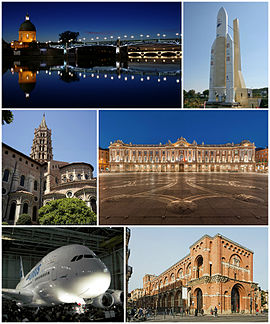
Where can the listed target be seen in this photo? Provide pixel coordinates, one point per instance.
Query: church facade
(217, 272)
(182, 156)
(30, 182)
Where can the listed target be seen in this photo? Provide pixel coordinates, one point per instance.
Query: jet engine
(103, 301)
(118, 296)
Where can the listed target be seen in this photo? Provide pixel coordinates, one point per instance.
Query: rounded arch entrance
(198, 299)
(237, 293)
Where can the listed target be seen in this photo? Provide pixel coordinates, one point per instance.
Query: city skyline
(200, 31)
(149, 254)
(106, 19)
(73, 133)
(210, 127)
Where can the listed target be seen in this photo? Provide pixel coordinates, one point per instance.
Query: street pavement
(209, 318)
(183, 199)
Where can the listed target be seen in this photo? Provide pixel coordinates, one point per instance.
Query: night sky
(210, 127)
(92, 19)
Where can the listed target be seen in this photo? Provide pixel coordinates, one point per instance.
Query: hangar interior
(33, 243)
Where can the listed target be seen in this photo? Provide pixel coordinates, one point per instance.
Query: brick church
(217, 272)
(28, 183)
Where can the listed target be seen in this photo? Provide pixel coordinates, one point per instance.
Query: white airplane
(69, 274)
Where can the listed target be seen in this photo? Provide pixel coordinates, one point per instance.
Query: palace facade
(28, 183)
(182, 156)
(217, 272)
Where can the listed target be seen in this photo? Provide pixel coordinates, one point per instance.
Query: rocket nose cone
(222, 11)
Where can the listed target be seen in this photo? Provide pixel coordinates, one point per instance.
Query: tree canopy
(7, 117)
(68, 35)
(66, 211)
(24, 219)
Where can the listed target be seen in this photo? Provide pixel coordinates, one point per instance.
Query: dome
(27, 87)
(27, 25)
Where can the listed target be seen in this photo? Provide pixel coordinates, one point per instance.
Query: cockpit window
(79, 257)
(88, 256)
(74, 259)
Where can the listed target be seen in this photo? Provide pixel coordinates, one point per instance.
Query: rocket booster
(221, 66)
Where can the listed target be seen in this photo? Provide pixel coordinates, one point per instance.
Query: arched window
(22, 180)
(93, 205)
(79, 176)
(34, 218)
(25, 208)
(35, 185)
(6, 175)
(71, 177)
(44, 185)
(180, 274)
(12, 211)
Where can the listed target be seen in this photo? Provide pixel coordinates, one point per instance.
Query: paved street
(208, 318)
(183, 199)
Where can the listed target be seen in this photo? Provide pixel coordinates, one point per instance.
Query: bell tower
(41, 149)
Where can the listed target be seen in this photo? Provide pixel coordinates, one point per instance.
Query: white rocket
(222, 63)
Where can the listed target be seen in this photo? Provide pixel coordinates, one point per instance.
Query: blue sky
(154, 249)
(199, 35)
(73, 133)
(212, 127)
(91, 19)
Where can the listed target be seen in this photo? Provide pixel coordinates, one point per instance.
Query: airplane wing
(20, 296)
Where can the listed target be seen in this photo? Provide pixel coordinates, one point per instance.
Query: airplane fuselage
(68, 274)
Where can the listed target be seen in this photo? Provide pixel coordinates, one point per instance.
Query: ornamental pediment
(117, 143)
(181, 142)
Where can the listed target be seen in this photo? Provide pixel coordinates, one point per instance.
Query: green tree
(68, 35)
(24, 219)
(7, 117)
(206, 93)
(66, 211)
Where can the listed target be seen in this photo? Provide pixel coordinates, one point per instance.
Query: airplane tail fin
(21, 269)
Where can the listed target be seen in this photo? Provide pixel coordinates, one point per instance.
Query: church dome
(27, 25)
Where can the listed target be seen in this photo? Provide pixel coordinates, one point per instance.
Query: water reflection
(138, 83)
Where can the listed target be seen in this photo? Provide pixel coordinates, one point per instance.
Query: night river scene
(91, 55)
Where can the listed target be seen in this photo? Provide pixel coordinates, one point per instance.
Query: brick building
(136, 294)
(28, 183)
(216, 272)
(261, 158)
(182, 156)
(103, 160)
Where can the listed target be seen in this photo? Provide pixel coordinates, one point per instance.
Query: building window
(86, 176)
(34, 218)
(69, 194)
(25, 208)
(6, 175)
(35, 185)
(22, 180)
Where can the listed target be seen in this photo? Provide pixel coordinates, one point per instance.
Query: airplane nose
(94, 284)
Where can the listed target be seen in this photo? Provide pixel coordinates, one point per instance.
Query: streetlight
(147, 36)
